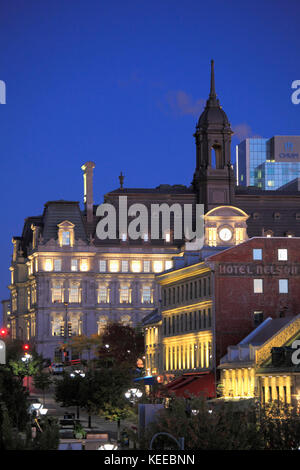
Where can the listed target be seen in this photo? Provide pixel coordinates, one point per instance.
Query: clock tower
(214, 177)
(225, 226)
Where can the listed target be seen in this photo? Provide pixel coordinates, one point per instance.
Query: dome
(213, 115)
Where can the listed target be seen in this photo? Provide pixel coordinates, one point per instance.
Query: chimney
(87, 169)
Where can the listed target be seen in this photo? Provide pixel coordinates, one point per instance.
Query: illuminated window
(124, 266)
(169, 264)
(146, 294)
(146, 237)
(282, 254)
(239, 235)
(74, 293)
(125, 320)
(102, 294)
(114, 266)
(257, 254)
(147, 266)
(48, 265)
(57, 327)
(84, 265)
(57, 292)
(283, 285)
(270, 183)
(57, 265)
(102, 266)
(66, 233)
(136, 266)
(212, 236)
(124, 237)
(124, 294)
(74, 264)
(258, 286)
(102, 322)
(157, 266)
(66, 239)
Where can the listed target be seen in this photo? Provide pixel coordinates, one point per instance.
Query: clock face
(225, 234)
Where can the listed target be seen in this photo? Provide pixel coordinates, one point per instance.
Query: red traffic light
(3, 332)
(26, 347)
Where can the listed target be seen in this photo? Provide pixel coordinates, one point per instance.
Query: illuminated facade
(67, 285)
(184, 326)
(65, 280)
(261, 366)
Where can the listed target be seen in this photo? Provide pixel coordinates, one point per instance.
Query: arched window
(216, 157)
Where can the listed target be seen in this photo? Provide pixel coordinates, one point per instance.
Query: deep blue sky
(122, 83)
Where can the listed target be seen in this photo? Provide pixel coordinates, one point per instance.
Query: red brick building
(257, 279)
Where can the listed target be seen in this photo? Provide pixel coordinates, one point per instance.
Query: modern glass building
(268, 163)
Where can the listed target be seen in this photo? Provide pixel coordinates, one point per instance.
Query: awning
(148, 380)
(194, 383)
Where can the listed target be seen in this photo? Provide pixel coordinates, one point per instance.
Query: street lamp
(133, 394)
(26, 358)
(38, 409)
(108, 446)
(77, 372)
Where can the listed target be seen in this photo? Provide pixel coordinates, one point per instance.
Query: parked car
(56, 368)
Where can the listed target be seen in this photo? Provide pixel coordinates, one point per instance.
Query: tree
(42, 382)
(26, 368)
(48, 437)
(10, 438)
(14, 396)
(243, 425)
(121, 344)
(101, 391)
(82, 343)
(109, 400)
(68, 391)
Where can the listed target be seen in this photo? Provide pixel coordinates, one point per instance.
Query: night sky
(122, 83)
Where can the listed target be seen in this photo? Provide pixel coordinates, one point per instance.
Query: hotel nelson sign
(251, 269)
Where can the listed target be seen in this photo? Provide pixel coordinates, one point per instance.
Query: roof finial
(212, 81)
(121, 178)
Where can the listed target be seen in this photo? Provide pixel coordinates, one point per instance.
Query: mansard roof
(56, 212)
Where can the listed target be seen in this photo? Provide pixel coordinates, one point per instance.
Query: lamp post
(26, 358)
(108, 446)
(133, 394)
(65, 329)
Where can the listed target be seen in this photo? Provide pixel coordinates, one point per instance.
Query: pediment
(226, 212)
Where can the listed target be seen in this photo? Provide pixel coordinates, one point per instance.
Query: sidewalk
(98, 423)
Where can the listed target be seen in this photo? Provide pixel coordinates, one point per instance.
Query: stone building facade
(66, 285)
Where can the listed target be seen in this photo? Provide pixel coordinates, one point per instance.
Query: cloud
(242, 131)
(181, 103)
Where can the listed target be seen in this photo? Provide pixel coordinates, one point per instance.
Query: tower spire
(212, 80)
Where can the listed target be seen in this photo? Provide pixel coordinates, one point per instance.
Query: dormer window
(66, 233)
(66, 238)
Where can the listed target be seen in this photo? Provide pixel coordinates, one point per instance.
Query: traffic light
(26, 347)
(3, 332)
